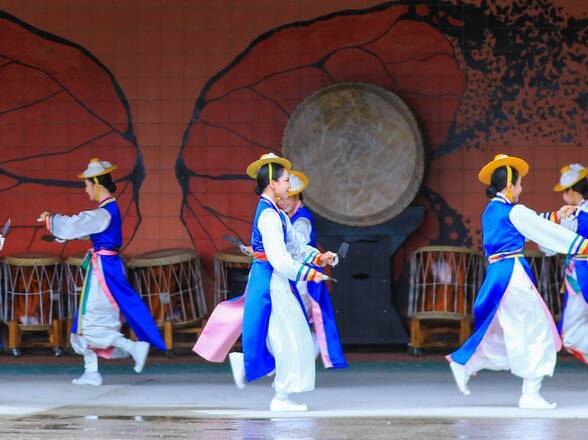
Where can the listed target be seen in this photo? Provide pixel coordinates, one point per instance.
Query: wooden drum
(170, 283)
(231, 272)
(32, 299)
(444, 281)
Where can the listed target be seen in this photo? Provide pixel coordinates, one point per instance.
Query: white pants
(290, 340)
(521, 336)
(100, 326)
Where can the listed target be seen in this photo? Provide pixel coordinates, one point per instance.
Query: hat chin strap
(508, 183)
(96, 188)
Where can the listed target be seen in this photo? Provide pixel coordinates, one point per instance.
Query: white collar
(502, 198)
(263, 196)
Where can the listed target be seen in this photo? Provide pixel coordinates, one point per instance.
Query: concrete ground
(375, 398)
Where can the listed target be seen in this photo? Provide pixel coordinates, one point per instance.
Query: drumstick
(232, 240)
(343, 249)
(52, 238)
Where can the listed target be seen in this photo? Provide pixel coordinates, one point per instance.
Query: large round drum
(444, 281)
(73, 278)
(362, 149)
(170, 282)
(231, 272)
(33, 289)
(548, 274)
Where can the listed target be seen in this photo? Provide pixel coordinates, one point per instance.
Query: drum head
(363, 152)
(32, 260)
(233, 255)
(163, 257)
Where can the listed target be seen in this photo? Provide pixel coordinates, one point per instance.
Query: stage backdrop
(184, 94)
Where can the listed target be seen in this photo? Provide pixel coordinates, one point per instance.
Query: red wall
(213, 83)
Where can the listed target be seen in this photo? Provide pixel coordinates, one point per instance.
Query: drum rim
(531, 253)
(228, 257)
(30, 260)
(142, 260)
(440, 315)
(456, 249)
(76, 259)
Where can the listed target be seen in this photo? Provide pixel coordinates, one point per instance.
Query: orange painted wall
(161, 53)
(452, 65)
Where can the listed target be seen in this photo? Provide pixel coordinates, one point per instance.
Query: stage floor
(373, 399)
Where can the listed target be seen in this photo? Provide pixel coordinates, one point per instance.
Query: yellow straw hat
(502, 160)
(254, 167)
(96, 168)
(570, 175)
(298, 182)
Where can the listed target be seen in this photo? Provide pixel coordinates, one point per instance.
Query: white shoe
(461, 377)
(139, 352)
(89, 378)
(535, 401)
(286, 405)
(238, 368)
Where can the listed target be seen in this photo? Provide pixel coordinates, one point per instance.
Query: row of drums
(40, 294)
(444, 281)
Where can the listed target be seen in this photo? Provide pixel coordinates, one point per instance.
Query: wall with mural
(183, 95)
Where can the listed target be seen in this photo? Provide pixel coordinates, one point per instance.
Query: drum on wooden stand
(170, 283)
(548, 273)
(444, 281)
(32, 301)
(231, 272)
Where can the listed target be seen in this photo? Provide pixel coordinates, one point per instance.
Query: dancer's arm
(304, 228)
(570, 222)
(70, 227)
(547, 234)
(272, 233)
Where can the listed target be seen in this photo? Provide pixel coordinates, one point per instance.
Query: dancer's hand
(43, 216)
(319, 276)
(566, 211)
(328, 258)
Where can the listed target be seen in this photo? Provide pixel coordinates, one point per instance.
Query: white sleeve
(272, 234)
(70, 227)
(546, 234)
(297, 245)
(304, 227)
(570, 223)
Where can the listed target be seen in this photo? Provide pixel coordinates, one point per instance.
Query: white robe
(574, 330)
(522, 337)
(304, 228)
(101, 323)
(289, 338)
